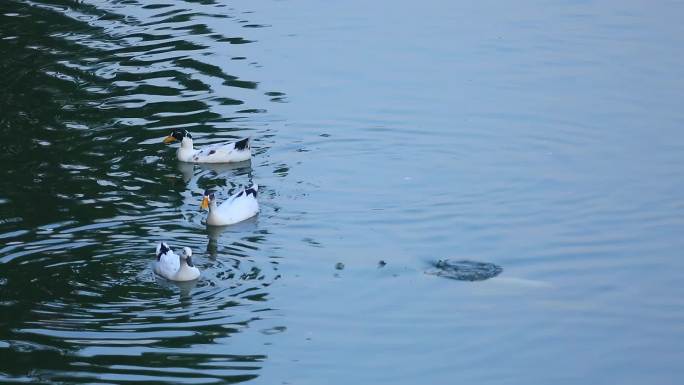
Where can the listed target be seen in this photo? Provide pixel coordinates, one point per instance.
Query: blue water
(544, 137)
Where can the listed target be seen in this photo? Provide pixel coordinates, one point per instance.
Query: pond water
(545, 137)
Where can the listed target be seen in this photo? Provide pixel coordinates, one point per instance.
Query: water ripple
(77, 286)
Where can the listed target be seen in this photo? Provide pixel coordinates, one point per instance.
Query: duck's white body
(242, 205)
(214, 153)
(186, 273)
(175, 267)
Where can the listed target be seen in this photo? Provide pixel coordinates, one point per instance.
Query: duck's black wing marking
(209, 150)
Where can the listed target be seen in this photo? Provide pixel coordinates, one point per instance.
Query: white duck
(213, 153)
(175, 267)
(237, 208)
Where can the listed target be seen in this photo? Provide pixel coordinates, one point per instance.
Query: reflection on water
(219, 234)
(87, 92)
(213, 171)
(90, 294)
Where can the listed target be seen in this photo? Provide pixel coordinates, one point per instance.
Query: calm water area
(546, 137)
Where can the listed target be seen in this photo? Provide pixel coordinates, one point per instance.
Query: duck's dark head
(186, 255)
(177, 135)
(208, 197)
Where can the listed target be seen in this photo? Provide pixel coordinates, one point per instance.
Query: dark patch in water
(252, 111)
(465, 270)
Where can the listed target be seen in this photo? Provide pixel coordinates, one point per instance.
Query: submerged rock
(464, 270)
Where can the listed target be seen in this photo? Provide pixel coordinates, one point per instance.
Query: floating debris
(339, 266)
(464, 270)
(382, 263)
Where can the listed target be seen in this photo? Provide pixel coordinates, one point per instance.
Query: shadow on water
(87, 94)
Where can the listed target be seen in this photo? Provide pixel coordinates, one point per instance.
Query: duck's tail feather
(247, 191)
(243, 144)
(162, 248)
(252, 190)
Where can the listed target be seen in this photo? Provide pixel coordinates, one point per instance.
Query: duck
(175, 267)
(227, 152)
(240, 206)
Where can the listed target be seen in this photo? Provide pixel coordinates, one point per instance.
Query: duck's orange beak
(169, 139)
(205, 203)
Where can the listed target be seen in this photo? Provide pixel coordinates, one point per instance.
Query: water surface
(544, 137)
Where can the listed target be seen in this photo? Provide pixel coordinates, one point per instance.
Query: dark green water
(545, 137)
